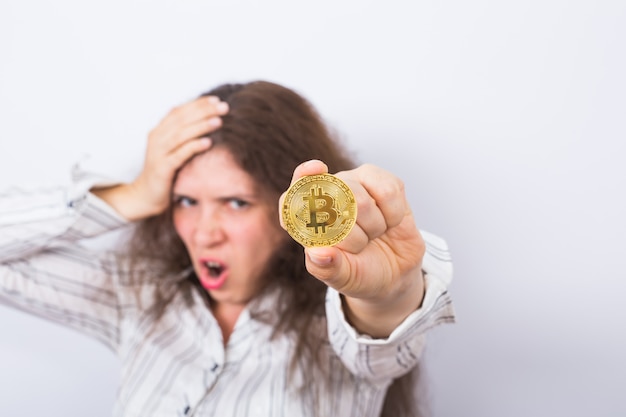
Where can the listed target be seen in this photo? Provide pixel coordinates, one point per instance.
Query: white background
(505, 119)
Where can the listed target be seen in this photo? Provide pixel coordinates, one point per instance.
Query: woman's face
(229, 228)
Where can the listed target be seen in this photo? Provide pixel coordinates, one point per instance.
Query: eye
(182, 201)
(237, 203)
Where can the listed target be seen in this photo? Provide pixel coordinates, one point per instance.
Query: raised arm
(45, 272)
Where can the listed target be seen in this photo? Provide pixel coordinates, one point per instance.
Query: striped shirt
(179, 366)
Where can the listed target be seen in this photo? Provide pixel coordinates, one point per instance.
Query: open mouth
(213, 275)
(215, 268)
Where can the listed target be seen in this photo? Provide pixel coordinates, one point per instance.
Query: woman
(213, 309)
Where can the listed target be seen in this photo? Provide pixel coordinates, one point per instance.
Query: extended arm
(378, 267)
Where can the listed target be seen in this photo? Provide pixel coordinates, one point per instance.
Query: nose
(208, 231)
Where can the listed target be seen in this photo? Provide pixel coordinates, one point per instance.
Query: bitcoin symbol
(315, 209)
(319, 210)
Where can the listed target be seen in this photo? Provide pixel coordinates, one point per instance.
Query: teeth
(215, 268)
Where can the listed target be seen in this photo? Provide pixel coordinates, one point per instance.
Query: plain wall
(505, 119)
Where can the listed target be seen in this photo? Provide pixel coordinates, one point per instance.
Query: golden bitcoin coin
(319, 210)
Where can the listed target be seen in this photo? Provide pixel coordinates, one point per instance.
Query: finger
(186, 151)
(311, 167)
(201, 108)
(328, 265)
(387, 190)
(369, 218)
(193, 111)
(192, 132)
(355, 242)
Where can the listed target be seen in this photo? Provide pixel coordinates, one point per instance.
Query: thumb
(327, 265)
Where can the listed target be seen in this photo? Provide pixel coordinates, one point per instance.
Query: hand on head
(180, 135)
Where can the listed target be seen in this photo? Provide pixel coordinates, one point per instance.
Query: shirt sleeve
(45, 271)
(381, 360)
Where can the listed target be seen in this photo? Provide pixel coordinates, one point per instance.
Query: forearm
(379, 317)
(33, 220)
(126, 201)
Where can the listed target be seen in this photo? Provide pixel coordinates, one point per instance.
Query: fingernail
(310, 162)
(222, 107)
(215, 121)
(213, 99)
(320, 260)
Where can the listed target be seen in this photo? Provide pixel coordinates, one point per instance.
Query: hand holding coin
(376, 265)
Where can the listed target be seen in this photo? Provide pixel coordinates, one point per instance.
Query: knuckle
(396, 186)
(389, 190)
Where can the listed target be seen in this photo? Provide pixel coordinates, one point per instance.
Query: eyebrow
(252, 197)
(242, 196)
